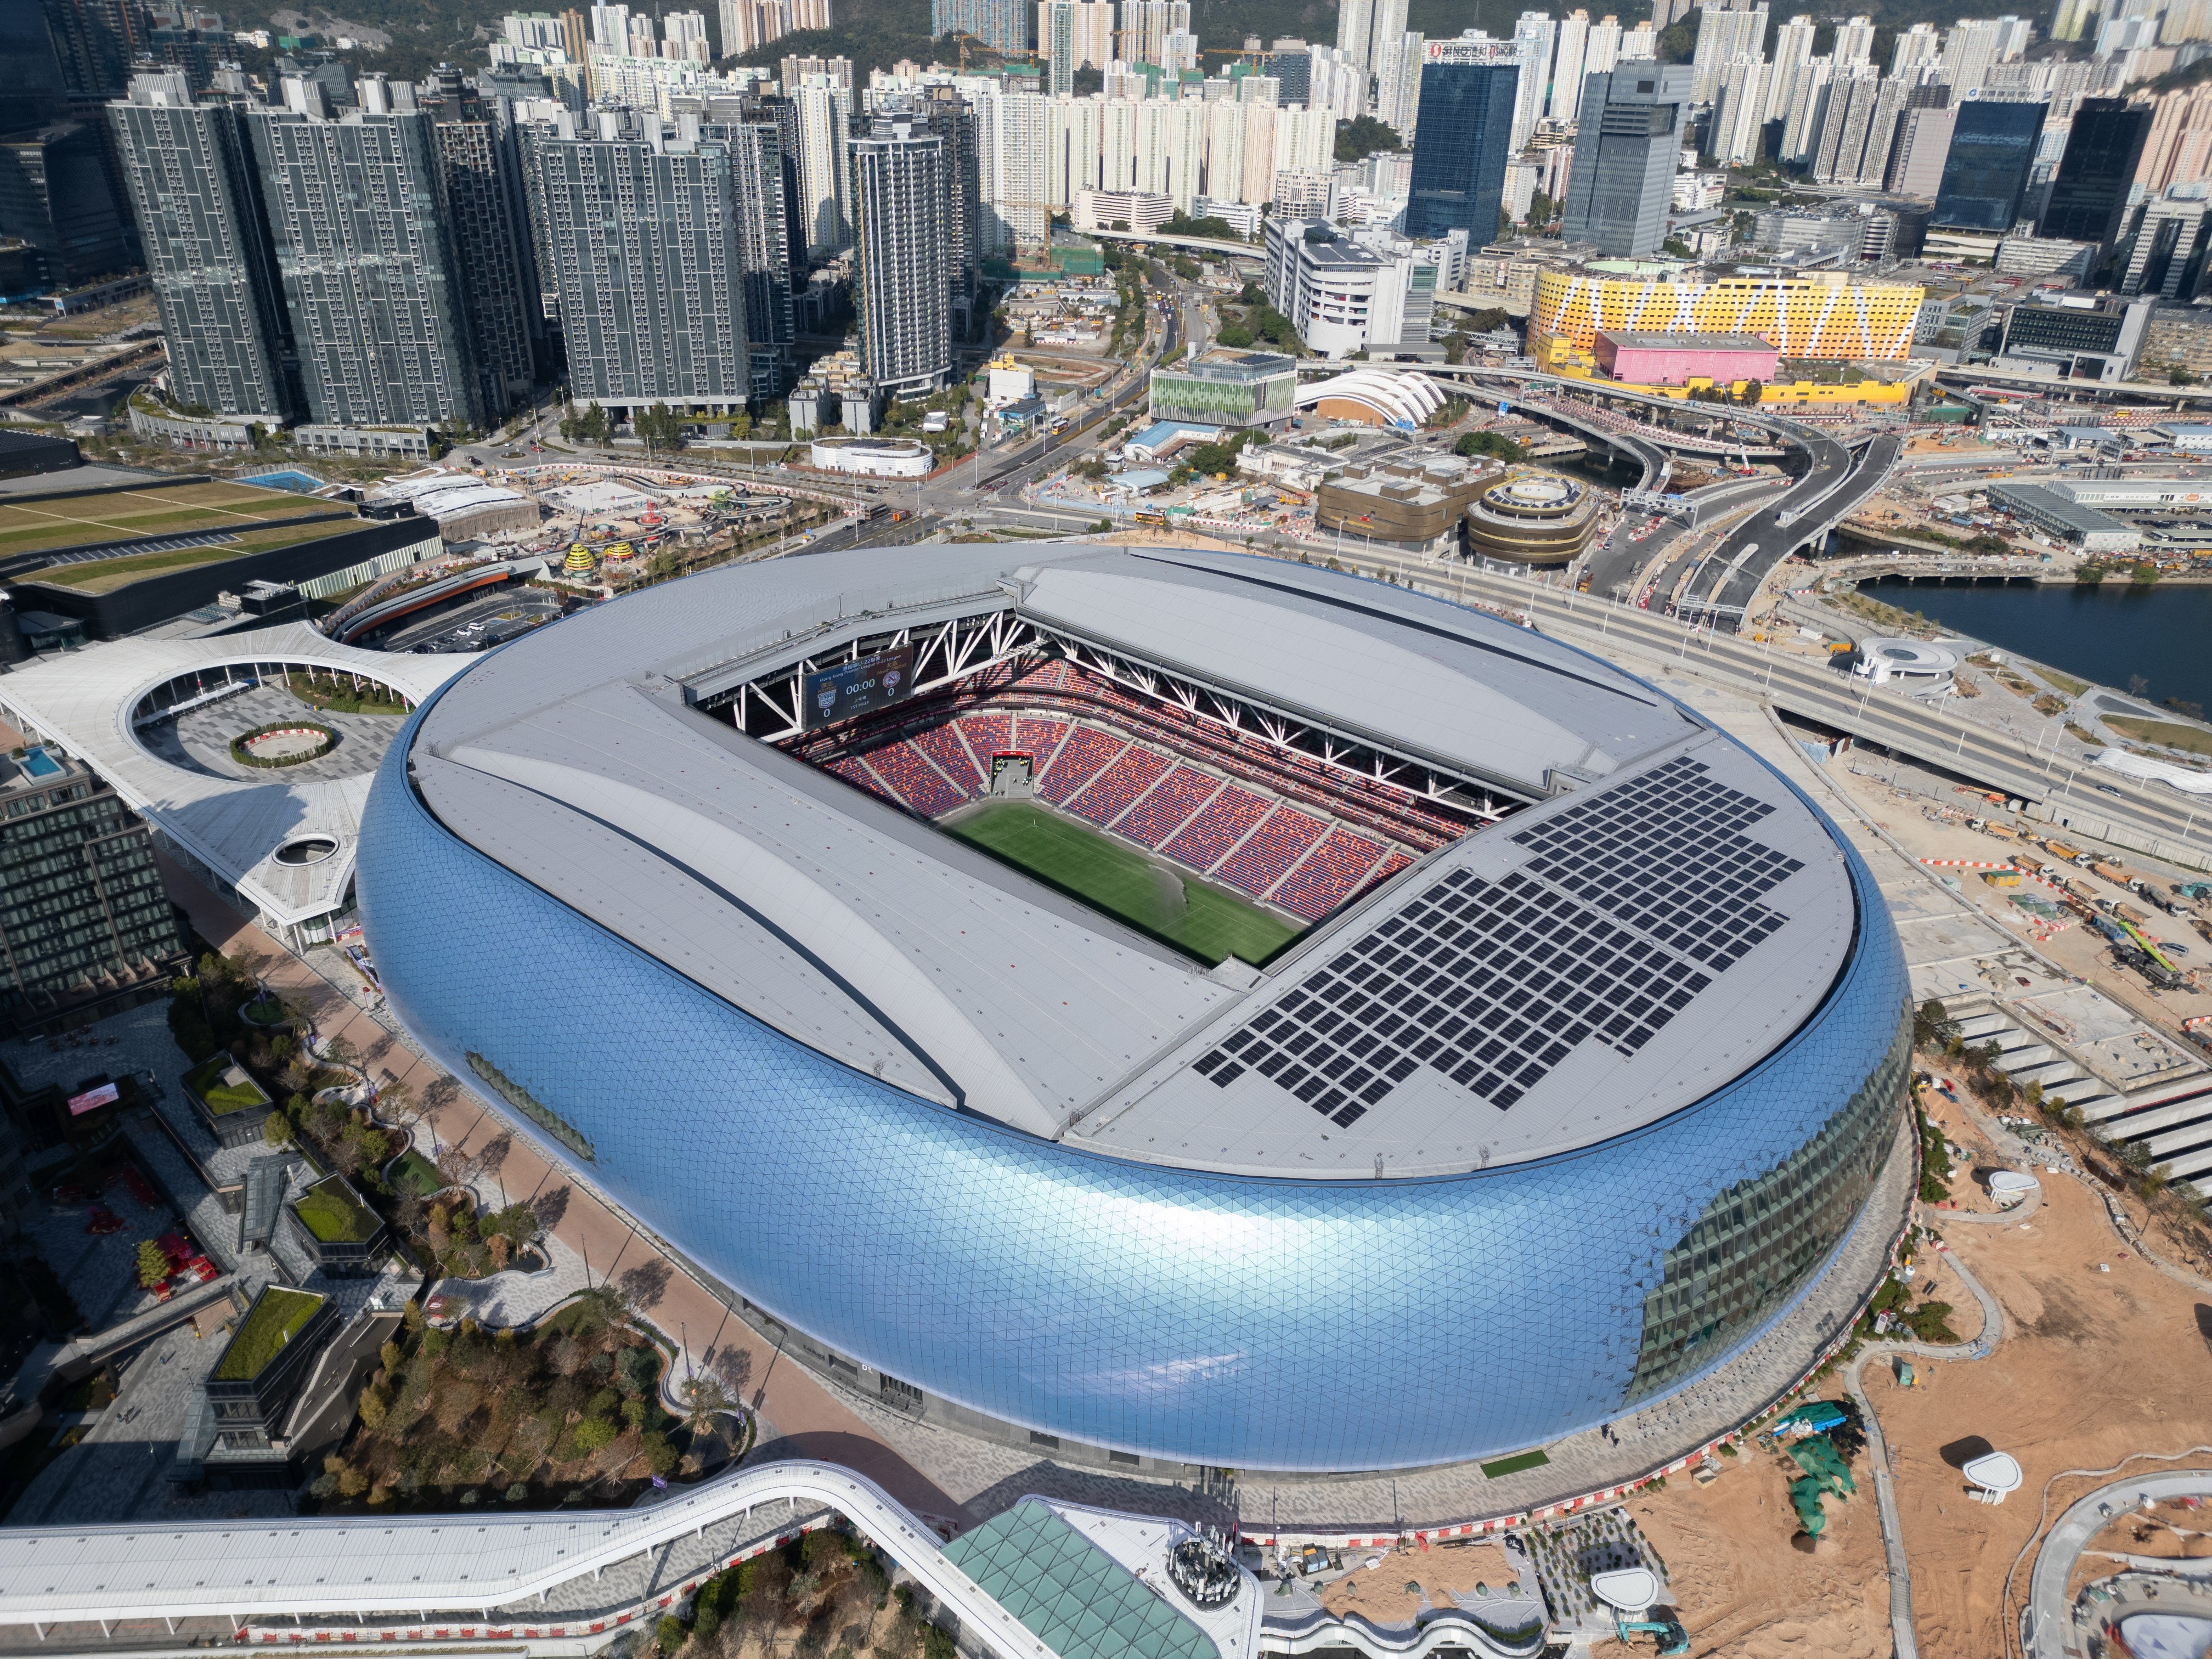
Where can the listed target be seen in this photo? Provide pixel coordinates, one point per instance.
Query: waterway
(2107, 633)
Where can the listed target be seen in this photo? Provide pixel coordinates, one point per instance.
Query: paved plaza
(199, 738)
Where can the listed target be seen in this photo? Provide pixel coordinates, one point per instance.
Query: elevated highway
(2129, 812)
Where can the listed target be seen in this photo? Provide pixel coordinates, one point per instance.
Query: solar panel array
(1667, 852)
(1491, 984)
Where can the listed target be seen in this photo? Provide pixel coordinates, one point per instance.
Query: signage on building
(853, 689)
(92, 1099)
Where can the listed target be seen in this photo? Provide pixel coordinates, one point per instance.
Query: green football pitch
(1209, 923)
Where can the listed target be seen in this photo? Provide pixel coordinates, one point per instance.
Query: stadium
(1202, 1008)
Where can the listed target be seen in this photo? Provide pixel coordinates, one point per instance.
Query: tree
(660, 426)
(1357, 140)
(153, 1266)
(1932, 1026)
(1752, 391)
(703, 1397)
(1678, 43)
(1493, 444)
(592, 427)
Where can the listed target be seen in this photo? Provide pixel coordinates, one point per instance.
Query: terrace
(344, 1236)
(232, 1103)
(277, 1317)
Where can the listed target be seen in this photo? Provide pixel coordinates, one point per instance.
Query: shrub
(152, 1265)
(669, 1632)
(592, 1435)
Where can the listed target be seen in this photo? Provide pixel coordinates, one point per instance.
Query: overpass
(1194, 244)
(533, 1581)
(2126, 812)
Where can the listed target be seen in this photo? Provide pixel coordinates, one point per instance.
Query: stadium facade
(1586, 1050)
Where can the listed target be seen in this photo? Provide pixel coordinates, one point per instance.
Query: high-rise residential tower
(950, 117)
(902, 283)
(365, 254)
(488, 214)
(2104, 147)
(1624, 151)
(646, 232)
(197, 200)
(1534, 37)
(826, 114)
(1465, 136)
(1567, 61)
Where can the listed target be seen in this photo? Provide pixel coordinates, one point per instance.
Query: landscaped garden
(275, 1319)
(226, 1087)
(414, 1175)
(570, 1412)
(330, 1211)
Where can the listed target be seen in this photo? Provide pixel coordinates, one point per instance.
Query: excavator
(1665, 1628)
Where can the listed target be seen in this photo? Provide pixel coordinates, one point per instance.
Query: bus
(1159, 519)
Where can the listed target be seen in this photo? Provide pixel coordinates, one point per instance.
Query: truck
(2028, 861)
(2002, 831)
(2111, 872)
(2062, 852)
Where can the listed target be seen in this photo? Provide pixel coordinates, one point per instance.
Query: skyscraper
(758, 183)
(651, 269)
(1793, 49)
(1464, 136)
(372, 286)
(824, 114)
(1533, 40)
(902, 283)
(82, 904)
(1986, 172)
(2089, 198)
(1624, 150)
(1355, 21)
(950, 119)
(1398, 84)
(54, 195)
(1567, 59)
(197, 200)
(486, 212)
(1057, 45)
(1724, 37)
(1924, 139)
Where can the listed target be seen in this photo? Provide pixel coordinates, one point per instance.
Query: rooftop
(334, 1215)
(1070, 1593)
(1224, 364)
(1650, 340)
(277, 1315)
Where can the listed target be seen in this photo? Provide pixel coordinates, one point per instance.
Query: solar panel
(1492, 984)
(1627, 853)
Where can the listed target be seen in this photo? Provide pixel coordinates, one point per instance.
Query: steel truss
(770, 708)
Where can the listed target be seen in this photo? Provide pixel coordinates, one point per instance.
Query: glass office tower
(2089, 198)
(1987, 172)
(1464, 136)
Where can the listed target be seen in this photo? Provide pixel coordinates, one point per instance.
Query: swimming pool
(40, 764)
(303, 483)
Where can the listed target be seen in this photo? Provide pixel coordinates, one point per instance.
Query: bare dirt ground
(2096, 1366)
(1381, 1594)
(1743, 1589)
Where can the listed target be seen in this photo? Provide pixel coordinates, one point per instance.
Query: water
(2106, 633)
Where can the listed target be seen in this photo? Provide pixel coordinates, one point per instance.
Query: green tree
(1357, 140)
(153, 1266)
(1495, 445)
(1752, 391)
(1678, 42)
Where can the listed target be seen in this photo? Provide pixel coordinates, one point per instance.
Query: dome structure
(1186, 1004)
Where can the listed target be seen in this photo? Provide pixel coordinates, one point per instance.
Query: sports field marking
(62, 519)
(1148, 894)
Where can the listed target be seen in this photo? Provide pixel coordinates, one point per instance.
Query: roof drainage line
(1449, 1630)
(1396, 619)
(790, 941)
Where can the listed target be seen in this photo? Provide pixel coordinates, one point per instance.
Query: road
(1995, 760)
(2048, 1628)
(1615, 568)
(1724, 584)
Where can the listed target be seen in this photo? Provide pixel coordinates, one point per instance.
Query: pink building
(1644, 359)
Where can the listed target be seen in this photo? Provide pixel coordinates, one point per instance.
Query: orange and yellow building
(1818, 314)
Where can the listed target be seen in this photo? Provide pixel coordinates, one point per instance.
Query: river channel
(2107, 634)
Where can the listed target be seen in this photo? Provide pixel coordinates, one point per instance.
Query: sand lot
(2096, 1367)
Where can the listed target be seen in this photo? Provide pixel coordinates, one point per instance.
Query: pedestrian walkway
(797, 1415)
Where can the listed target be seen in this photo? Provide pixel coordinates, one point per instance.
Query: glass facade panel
(1986, 172)
(1230, 1321)
(1461, 137)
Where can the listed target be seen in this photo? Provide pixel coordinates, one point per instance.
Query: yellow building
(1818, 314)
(1777, 395)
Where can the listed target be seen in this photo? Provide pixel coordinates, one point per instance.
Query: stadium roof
(576, 758)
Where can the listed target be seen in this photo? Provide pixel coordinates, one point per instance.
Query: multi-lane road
(2124, 807)
(1831, 489)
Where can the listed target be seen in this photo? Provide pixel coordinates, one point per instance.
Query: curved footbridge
(1043, 1580)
